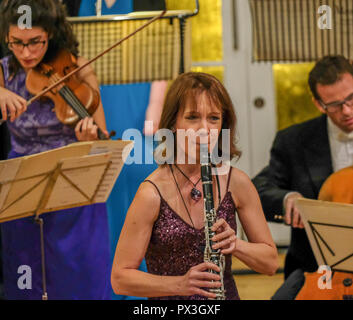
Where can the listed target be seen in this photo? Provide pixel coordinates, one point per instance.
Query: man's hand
(292, 216)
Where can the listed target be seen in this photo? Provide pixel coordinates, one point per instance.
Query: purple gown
(76, 240)
(176, 246)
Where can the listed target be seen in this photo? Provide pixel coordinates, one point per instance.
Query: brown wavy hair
(187, 88)
(47, 14)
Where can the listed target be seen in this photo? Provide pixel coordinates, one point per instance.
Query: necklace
(181, 195)
(195, 193)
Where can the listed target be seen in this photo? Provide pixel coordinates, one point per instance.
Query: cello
(337, 188)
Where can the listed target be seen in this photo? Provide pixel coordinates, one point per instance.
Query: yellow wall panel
(217, 71)
(206, 28)
(293, 95)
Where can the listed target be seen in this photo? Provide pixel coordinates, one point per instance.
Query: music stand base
(40, 222)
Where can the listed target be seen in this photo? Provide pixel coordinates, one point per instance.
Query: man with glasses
(304, 155)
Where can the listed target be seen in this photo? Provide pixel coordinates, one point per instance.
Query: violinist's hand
(198, 278)
(11, 104)
(225, 237)
(87, 130)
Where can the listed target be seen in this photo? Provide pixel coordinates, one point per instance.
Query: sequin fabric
(38, 129)
(176, 246)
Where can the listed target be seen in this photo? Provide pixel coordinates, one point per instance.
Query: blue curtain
(124, 108)
(88, 7)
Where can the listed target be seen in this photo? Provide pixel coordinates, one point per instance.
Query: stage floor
(254, 286)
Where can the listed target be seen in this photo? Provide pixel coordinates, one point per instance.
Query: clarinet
(210, 255)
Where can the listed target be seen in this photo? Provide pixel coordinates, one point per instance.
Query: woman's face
(198, 125)
(28, 45)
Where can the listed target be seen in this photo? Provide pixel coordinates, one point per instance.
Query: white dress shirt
(341, 145)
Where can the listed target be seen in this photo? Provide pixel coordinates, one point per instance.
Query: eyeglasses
(33, 46)
(337, 106)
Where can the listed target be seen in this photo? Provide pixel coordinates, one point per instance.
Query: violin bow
(95, 58)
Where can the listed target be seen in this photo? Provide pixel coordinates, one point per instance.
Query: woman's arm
(132, 246)
(155, 105)
(11, 104)
(259, 252)
(126, 279)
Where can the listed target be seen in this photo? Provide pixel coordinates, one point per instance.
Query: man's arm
(273, 182)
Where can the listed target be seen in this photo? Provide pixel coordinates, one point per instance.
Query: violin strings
(78, 105)
(70, 98)
(84, 113)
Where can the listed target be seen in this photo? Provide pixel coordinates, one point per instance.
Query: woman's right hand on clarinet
(199, 277)
(11, 104)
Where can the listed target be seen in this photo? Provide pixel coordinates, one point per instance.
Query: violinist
(78, 255)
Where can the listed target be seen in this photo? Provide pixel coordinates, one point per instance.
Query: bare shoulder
(147, 198)
(238, 179)
(148, 194)
(161, 181)
(241, 186)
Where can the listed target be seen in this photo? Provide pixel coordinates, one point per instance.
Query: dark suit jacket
(300, 161)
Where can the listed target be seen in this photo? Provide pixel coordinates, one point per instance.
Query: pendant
(195, 194)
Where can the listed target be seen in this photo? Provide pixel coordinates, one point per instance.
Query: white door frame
(246, 81)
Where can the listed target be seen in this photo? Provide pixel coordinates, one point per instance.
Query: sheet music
(329, 227)
(78, 174)
(29, 178)
(8, 171)
(120, 151)
(78, 181)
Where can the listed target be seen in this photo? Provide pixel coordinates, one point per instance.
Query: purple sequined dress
(176, 246)
(77, 252)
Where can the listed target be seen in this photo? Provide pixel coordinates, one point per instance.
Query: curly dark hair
(47, 14)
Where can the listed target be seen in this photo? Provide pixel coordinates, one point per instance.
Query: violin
(74, 99)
